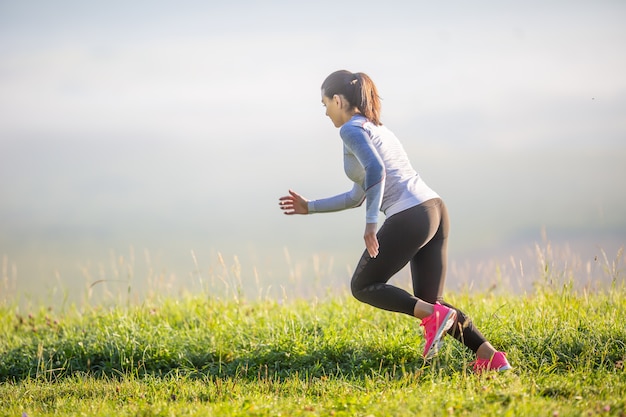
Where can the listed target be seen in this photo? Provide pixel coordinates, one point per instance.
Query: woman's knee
(356, 288)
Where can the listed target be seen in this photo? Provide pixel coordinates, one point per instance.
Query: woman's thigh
(429, 265)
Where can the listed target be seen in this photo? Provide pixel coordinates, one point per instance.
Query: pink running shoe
(435, 326)
(497, 363)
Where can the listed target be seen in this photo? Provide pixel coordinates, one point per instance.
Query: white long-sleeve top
(374, 159)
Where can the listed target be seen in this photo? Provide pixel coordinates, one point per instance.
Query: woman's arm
(350, 199)
(357, 141)
(294, 203)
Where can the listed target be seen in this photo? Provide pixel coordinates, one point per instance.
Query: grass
(209, 355)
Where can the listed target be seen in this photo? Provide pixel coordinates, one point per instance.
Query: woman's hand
(371, 241)
(294, 203)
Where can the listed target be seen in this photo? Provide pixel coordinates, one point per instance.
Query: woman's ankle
(423, 309)
(485, 351)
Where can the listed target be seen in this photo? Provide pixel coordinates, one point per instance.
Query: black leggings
(418, 235)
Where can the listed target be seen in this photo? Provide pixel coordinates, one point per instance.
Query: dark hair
(359, 89)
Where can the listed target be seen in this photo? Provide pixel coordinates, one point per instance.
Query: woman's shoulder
(355, 123)
(362, 124)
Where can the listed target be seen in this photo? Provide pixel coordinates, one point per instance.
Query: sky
(160, 129)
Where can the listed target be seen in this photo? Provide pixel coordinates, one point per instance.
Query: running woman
(416, 227)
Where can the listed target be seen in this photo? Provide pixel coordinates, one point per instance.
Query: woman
(416, 227)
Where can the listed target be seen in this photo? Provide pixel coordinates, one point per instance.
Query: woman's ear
(338, 99)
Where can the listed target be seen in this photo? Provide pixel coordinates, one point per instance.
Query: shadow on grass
(266, 362)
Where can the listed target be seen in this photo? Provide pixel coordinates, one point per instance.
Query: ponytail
(369, 101)
(359, 89)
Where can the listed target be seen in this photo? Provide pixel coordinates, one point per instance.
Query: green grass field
(220, 355)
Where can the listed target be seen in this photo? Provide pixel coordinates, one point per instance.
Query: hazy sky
(470, 73)
(133, 123)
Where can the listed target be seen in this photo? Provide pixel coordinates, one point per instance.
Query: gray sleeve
(359, 143)
(350, 199)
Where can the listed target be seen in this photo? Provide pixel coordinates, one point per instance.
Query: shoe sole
(447, 322)
(500, 369)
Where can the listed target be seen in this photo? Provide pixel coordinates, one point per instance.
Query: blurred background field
(132, 278)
